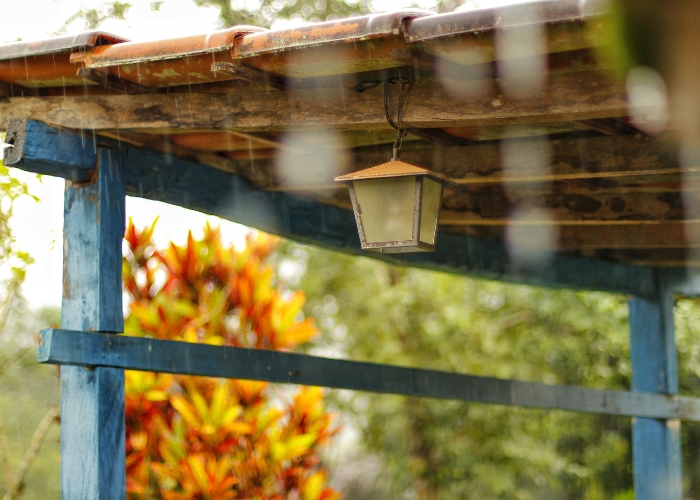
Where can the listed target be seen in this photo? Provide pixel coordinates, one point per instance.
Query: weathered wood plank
(75, 348)
(560, 206)
(112, 82)
(650, 236)
(92, 401)
(472, 165)
(656, 449)
(617, 238)
(569, 96)
(57, 154)
(479, 168)
(14, 90)
(609, 126)
(493, 206)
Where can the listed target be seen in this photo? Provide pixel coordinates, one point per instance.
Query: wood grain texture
(93, 230)
(92, 400)
(611, 241)
(92, 433)
(656, 447)
(60, 154)
(569, 96)
(473, 165)
(75, 348)
(647, 236)
(495, 206)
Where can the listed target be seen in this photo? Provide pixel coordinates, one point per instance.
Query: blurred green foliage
(94, 17)
(436, 449)
(11, 257)
(258, 12)
(28, 391)
(265, 12)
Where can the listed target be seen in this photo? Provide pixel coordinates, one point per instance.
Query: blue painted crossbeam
(159, 176)
(66, 347)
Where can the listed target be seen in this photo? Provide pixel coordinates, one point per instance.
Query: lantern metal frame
(396, 169)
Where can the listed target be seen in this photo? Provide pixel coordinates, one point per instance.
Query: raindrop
(467, 81)
(647, 100)
(525, 157)
(311, 159)
(531, 237)
(521, 63)
(531, 234)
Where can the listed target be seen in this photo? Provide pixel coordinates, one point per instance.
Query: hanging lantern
(396, 206)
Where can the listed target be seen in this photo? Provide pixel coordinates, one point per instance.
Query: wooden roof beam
(568, 96)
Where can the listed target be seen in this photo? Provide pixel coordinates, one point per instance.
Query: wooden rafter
(645, 236)
(619, 238)
(112, 82)
(633, 156)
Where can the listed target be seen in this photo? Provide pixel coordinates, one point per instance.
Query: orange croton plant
(203, 438)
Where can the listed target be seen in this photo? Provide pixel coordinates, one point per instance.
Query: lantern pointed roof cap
(394, 168)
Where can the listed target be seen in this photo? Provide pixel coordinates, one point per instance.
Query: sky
(38, 225)
(38, 19)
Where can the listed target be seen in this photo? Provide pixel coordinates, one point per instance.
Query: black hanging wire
(406, 84)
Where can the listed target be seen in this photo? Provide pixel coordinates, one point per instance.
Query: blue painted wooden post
(656, 449)
(92, 400)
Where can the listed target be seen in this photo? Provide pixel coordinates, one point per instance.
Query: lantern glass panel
(386, 208)
(432, 194)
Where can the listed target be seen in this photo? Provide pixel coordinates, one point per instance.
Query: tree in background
(93, 17)
(438, 449)
(16, 459)
(261, 12)
(203, 438)
(29, 403)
